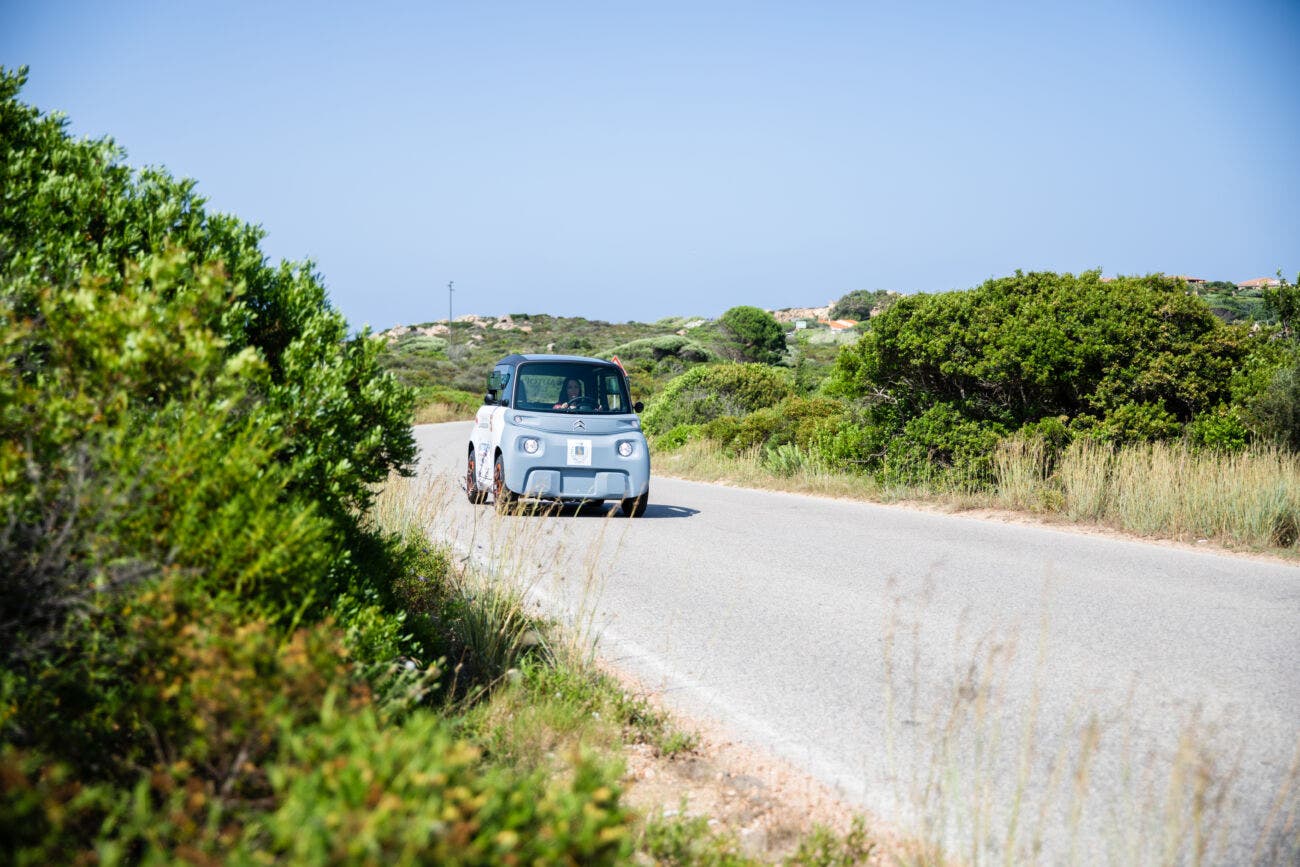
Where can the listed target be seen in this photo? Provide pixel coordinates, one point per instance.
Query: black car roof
(516, 360)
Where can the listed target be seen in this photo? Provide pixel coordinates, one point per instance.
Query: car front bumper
(578, 467)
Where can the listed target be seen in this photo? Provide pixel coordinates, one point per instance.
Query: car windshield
(571, 387)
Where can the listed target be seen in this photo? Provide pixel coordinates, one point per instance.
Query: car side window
(612, 392)
(499, 383)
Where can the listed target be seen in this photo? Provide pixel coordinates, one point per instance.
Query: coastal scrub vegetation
(216, 643)
(930, 393)
(1126, 402)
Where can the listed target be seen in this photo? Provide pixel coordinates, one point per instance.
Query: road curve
(992, 685)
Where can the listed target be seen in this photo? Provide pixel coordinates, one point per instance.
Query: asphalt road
(997, 686)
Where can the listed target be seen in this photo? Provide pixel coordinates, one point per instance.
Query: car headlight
(530, 445)
(625, 449)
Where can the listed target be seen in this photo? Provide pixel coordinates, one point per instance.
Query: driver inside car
(572, 392)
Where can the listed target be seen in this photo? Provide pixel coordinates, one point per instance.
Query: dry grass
(514, 564)
(436, 413)
(1249, 498)
(705, 461)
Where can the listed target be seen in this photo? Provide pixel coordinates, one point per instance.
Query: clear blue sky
(622, 160)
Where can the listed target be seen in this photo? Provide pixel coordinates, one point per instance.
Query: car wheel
(476, 494)
(501, 495)
(634, 507)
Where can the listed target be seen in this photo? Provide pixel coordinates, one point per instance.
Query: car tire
(634, 507)
(503, 497)
(476, 495)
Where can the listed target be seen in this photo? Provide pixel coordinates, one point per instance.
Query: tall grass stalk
(493, 622)
(515, 565)
(1169, 806)
(1249, 498)
(786, 469)
(1022, 468)
(436, 413)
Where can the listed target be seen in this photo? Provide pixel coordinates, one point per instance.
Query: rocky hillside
(436, 356)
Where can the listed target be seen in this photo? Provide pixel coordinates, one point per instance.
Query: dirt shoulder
(766, 803)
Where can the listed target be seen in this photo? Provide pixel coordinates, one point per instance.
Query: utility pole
(450, 290)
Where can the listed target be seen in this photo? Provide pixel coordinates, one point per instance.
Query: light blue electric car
(560, 428)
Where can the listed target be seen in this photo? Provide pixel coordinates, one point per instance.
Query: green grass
(689, 841)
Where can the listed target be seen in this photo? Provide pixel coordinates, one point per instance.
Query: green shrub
(793, 421)
(574, 345)
(47, 815)
(942, 446)
(148, 448)
(705, 393)
(938, 377)
(1275, 410)
(665, 346)
(721, 429)
(1282, 303)
(1021, 348)
(79, 225)
(351, 790)
(422, 346)
(372, 632)
(1137, 422)
(751, 334)
(750, 431)
(677, 437)
(1224, 429)
(686, 841)
(421, 587)
(788, 460)
(169, 675)
(1053, 431)
(852, 444)
(860, 303)
(188, 438)
(440, 403)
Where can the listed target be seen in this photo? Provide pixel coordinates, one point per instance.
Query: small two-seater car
(558, 428)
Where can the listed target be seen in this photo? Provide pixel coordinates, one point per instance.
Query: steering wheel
(581, 402)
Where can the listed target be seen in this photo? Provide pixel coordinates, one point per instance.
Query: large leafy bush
(751, 334)
(1034, 345)
(860, 303)
(705, 393)
(133, 441)
(207, 652)
(72, 209)
(795, 421)
(938, 378)
(352, 791)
